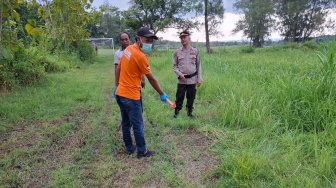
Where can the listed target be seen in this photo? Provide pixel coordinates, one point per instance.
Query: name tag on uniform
(180, 57)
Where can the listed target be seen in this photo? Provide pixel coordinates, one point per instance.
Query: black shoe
(146, 154)
(176, 113)
(130, 152)
(189, 112)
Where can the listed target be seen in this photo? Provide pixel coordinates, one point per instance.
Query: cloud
(122, 5)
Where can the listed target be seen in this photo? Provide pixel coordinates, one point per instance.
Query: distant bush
(310, 45)
(247, 49)
(85, 51)
(21, 65)
(60, 62)
(223, 50)
(285, 46)
(7, 80)
(24, 67)
(291, 45)
(28, 65)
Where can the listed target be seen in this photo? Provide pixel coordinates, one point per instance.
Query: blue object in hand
(164, 97)
(114, 92)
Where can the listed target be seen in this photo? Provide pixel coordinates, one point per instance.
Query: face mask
(146, 48)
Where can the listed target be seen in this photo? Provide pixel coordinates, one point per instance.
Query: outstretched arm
(154, 83)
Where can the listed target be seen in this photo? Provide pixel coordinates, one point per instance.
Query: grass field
(263, 119)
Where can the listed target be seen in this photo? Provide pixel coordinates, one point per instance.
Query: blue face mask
(146, 48)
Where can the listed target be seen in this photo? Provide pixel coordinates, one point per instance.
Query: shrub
(6, 77)
(28, 66)
(84, 49)
(285, 46)
(247, 49)
(310, 45)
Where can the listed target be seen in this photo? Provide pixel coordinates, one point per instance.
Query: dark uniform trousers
(182, 89)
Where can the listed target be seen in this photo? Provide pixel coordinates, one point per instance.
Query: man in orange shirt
(132, 66)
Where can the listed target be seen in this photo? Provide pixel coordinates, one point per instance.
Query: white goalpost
(102, 43)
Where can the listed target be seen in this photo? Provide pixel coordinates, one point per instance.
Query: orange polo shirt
(133, 65)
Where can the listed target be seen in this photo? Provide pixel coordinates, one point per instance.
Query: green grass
(266, 120)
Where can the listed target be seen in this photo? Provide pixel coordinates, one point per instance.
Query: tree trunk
(9, 24)
(257, 42)
(0, 24)
(9, 28)
(207, 38)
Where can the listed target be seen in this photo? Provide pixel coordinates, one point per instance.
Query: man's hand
(164, 97)
(198, 84)
(114, 92)
(182, 78)
(143, 83)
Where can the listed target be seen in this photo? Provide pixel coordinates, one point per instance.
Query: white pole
(112, 45)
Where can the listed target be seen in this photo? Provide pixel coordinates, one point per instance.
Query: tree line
(295, 20)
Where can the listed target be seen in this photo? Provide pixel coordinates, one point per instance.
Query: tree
(110, 24)
(257, 20)
(300, 18)
(156, 14)
(27, 11)
(8, 18)
(67, 20)
(213, 11)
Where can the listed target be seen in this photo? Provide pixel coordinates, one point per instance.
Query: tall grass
(270, 111)
(327, 56)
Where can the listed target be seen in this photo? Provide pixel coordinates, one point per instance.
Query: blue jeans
(131, 114)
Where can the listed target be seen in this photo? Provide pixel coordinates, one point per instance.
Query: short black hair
(129, 37)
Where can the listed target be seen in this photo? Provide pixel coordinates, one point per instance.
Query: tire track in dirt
(61, 151)
(191, 147)
(24, 136)
(98, 172)
(107, 111)
(194, 150)
(47, 157)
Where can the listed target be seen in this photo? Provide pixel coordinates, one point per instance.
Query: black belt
(189, 75)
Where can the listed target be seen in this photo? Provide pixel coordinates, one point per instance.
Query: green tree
(158, 15)
(27, 11)
(8, 18)
(67, 20)
(110, 24)
(257, 20)
(213, 11)
(300, 18)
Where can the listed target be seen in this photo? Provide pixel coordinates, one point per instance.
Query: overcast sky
(121, 4)
(230, 19)
(124, 4)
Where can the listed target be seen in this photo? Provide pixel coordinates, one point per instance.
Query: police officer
(187, 67)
